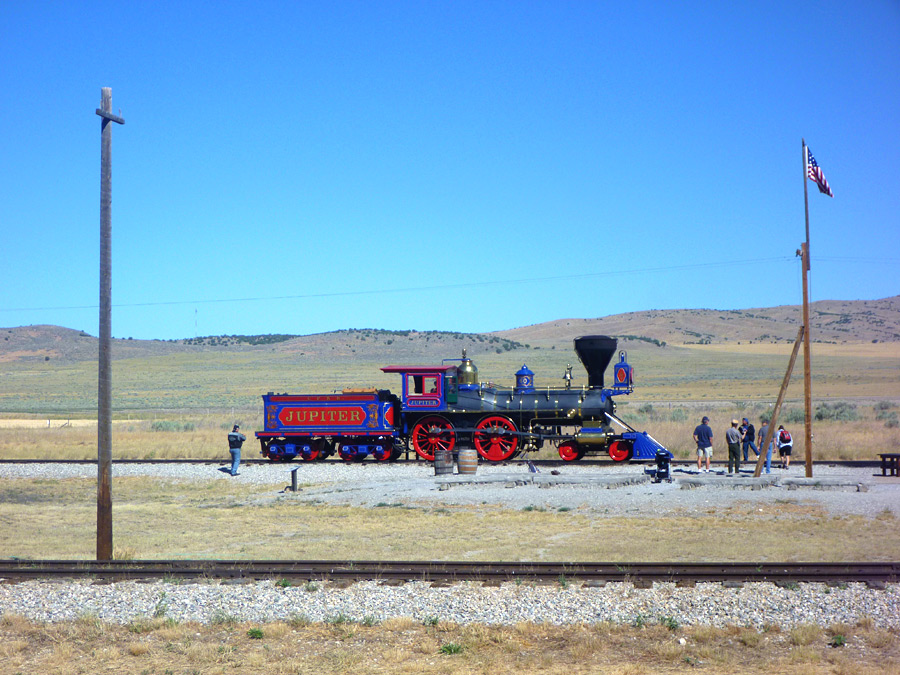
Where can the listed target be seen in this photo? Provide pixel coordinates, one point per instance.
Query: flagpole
(807, 376)
(806, 195)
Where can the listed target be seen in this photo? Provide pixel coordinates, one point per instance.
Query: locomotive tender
(443, 407)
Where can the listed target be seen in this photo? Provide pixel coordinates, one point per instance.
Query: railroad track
(858, 463)
(641, 574)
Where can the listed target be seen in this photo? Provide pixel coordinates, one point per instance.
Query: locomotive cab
(427, 387)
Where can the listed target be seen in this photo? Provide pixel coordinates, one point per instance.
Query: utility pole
(104, 386)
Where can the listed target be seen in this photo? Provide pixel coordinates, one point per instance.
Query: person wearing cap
(733, 438)
(703, 436)
(748, 435)
(235, 441)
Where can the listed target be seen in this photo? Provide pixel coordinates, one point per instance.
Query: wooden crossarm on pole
(109, 116)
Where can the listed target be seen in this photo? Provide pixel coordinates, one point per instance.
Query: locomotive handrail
(631, 428)
(622, 423)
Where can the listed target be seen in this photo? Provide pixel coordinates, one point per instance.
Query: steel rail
(641, 574)
(857, 463)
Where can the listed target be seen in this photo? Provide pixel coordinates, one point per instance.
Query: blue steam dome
(524, 380)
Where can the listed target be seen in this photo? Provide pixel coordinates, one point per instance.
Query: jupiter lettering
(353, 416)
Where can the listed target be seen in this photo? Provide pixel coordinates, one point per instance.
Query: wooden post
(807, 373)
(104, 386)
(770, 435)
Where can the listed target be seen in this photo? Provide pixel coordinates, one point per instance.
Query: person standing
(733, 438)
(703, 436)
(748, 435)
(765, 439)
(785, 446)
(235, 441)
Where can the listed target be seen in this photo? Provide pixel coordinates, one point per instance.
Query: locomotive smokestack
(595, 352)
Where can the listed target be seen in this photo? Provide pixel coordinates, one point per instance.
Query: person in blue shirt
(703, 436)
(748, 436)
(235, 441)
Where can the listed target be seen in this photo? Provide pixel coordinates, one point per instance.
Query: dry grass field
(221, 519)
(865, 429)
(192, 398)
(175, 401)
(201, 379)
(405, 646)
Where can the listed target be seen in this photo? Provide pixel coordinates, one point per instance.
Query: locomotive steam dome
(467, 373)
(524, 381)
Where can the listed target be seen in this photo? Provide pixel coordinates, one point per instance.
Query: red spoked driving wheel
(495, 438)
(430, 434)
(620, 451)
(569, 451)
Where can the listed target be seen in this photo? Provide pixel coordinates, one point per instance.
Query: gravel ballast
(756, 605)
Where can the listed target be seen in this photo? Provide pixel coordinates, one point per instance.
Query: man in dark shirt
(748, 435)
(703, 435)
(235, 441)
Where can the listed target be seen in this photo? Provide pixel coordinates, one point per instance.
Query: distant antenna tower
(196, 334)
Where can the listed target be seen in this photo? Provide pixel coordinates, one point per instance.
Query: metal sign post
(104, 387)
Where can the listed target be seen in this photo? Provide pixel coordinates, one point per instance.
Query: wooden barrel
(467, 460)
(443, 462)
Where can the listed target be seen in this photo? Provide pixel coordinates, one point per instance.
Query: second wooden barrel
(467, 460)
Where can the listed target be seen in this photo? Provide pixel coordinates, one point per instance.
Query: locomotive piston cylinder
(592, 437)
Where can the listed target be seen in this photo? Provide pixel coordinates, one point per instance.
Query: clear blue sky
(299, 167)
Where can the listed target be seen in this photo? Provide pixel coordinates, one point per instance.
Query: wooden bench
(890, 464)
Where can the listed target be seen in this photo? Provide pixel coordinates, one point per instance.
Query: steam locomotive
(444, 407)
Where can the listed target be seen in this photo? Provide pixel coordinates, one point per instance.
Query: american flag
(815, 174)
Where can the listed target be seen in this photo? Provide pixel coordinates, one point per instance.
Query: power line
(416, 289)
(863, 259)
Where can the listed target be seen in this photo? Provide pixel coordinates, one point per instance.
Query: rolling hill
(832, 321)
